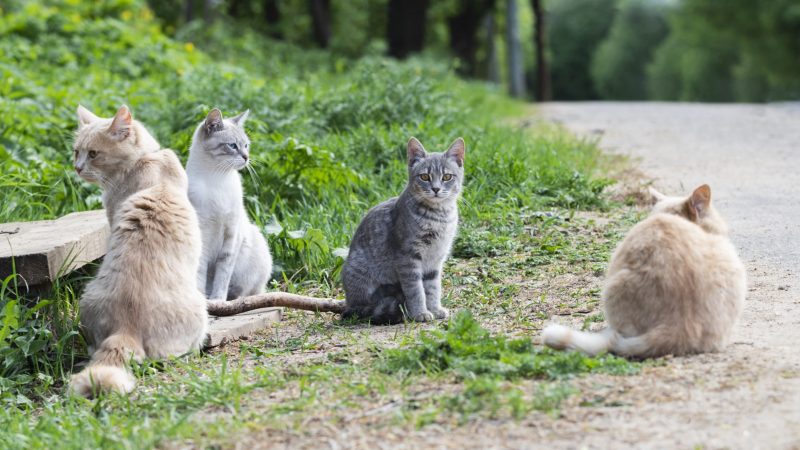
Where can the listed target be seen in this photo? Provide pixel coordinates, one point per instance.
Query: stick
(273, 299)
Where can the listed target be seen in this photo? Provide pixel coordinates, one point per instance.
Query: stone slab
(46, 249)
(222, 330)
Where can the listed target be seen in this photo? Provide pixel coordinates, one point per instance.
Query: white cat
(236, 261)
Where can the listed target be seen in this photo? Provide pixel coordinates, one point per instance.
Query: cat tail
(560, 337)
(274, 299)
(108, 370)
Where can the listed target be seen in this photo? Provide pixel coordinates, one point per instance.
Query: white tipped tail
(560, 337)
(108, 371)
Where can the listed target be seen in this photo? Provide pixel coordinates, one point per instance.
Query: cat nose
(78, 169)
(436, 190)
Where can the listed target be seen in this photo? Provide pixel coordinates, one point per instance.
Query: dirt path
(748, 396)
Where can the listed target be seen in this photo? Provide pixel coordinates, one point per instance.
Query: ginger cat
(144, 301)
(675, 285)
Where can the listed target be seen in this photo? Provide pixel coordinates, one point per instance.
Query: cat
(144, 302)
(675, 285)
(394, 267)
(235, 261)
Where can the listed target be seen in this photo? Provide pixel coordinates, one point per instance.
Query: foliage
(485, 363)
(741, 52)
(574, 31)
(618, 66)
(469, 350)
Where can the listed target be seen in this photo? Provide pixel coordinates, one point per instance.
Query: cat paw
(422, 317)
(441, 313)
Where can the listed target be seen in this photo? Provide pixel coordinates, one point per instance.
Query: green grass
(469, 351)
(329, 138)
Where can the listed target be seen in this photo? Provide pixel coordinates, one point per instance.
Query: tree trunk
(405, 30)
(188, 11)
(272, 15)
(516, 70)
(463, 32)
(492, 68)
(208, 11)
(321, 20)
(544, 92)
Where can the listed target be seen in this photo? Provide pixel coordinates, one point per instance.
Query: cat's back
(158, 218)
(670, 269)
(375, 227)
(666, 240)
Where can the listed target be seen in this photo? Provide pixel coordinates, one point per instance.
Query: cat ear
(415, 151)
(700, 201)
(213, 121)
(239, 120)
(121, 125)
(85, 117)
(456, 151)
(656, 196)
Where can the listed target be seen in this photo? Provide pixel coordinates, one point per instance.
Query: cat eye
(425, 177)
(447, 177)
(92, 154)
(233, 146)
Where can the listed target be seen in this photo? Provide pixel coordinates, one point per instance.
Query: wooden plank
(222, 330)
(46, 249)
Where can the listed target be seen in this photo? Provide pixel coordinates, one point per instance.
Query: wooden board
(222, 330)
(46, 249)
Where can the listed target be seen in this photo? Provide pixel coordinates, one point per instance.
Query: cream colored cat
(674, 285)
(144, 301)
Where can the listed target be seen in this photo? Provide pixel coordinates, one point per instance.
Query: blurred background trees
(692, 50)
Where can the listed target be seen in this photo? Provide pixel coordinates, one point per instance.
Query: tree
(618, 66)
(463, 29)
(516, 70)
(272, 16)
(543, 91)
(575, 28)
(405, 28)
(492, 68)
(746, 51)
(321, 21)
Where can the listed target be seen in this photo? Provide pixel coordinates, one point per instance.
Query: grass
(328, 136)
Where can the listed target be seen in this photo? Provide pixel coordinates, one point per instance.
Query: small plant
(468, 350)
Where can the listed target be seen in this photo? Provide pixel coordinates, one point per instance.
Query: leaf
(10, 319)
(273, 228)
(341, 252)
(296, 234)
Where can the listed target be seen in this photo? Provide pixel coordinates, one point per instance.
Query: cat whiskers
(106, 182)
(253, 173)
(222, 167)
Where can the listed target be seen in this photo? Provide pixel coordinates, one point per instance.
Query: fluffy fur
(675, 285)
(394, 266)
(236, 261)
(144, 301)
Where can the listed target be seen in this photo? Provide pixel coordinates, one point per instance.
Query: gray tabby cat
(236, 261)
(394, 267)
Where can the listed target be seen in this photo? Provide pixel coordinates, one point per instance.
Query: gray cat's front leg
(414, 292)
(224, 265)
(432, 282)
